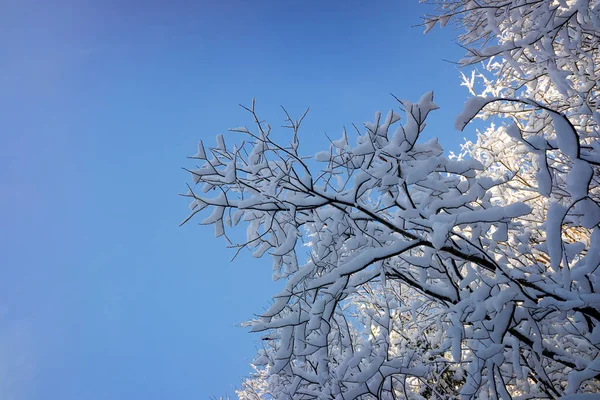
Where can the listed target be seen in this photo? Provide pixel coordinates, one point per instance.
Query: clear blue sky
(102, 296)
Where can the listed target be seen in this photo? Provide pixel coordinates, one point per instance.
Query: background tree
(426, 275)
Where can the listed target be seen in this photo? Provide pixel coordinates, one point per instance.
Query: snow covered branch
(413, 274)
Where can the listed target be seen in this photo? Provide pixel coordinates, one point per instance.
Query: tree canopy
(411, 273)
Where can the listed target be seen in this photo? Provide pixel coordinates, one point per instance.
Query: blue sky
(102, 296)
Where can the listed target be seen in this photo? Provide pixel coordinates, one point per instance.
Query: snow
(556, 214)
(201, 154)
(578, 179)
(543, 176)
(565, 135)
(470, 109)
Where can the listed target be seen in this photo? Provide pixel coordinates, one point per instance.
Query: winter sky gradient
(102, 296)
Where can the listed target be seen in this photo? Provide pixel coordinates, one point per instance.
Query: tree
(425, 275)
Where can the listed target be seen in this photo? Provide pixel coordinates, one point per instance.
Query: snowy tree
(411, 274)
